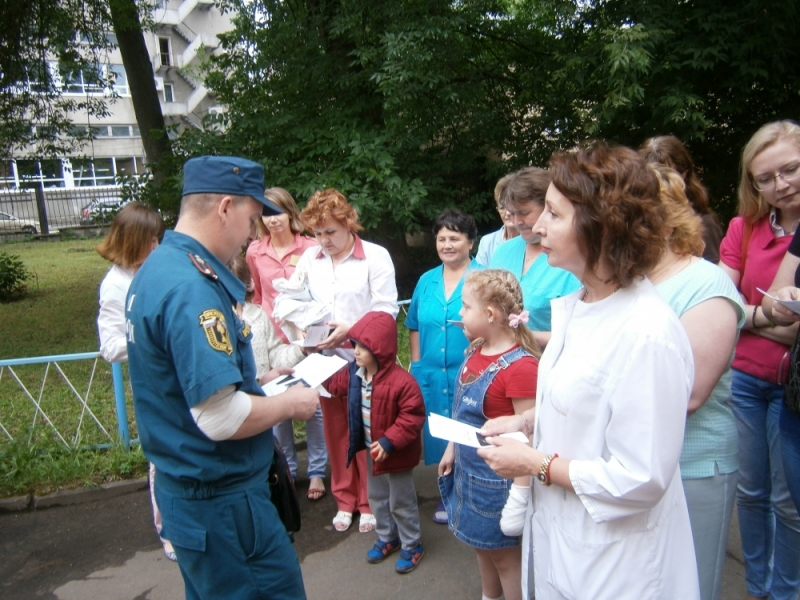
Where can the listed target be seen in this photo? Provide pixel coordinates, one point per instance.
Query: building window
(96, 79)
(118, 79)
(49, 172)
(168, 97)
(165, 51)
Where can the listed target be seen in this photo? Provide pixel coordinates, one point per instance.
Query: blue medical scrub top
(441, 345)
(185, 342)
(539, 285)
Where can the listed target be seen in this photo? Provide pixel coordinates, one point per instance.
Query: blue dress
(539, 285)
(441, 346)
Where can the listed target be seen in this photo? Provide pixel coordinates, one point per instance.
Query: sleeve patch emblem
(213, 323)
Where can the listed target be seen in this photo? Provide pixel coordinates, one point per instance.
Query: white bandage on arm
(221, 414)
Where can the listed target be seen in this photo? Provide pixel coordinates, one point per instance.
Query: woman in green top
(708, 305)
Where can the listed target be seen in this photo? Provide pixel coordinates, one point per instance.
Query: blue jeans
(768, 520)
(315, 441)
(790, 449)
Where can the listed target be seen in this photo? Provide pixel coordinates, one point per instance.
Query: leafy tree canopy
(410, 105)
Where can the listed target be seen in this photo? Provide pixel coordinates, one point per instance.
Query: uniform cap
(226, 175)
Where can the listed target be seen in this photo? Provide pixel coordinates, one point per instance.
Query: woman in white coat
(608, 517)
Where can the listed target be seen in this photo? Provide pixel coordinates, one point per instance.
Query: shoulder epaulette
(200, 263)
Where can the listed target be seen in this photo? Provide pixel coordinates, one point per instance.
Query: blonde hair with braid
(499, 289)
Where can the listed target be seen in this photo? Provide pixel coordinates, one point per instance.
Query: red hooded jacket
(397, 412)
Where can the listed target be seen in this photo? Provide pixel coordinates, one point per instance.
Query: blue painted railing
(119, 392)
(8, 365)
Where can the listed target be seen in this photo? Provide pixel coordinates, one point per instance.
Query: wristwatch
(544, 469)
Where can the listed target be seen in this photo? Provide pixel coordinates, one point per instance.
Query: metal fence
(46, 210)
(74, 400)
(68, 399)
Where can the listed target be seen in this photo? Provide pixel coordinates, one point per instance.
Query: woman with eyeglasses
(523, 199)
(751, 252)
(491, 241)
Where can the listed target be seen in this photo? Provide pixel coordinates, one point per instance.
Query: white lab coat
(614, 385)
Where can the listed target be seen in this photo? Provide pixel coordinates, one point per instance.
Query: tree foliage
(411, 105)
(34, 115)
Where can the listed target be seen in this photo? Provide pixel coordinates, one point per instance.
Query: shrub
(13, 275)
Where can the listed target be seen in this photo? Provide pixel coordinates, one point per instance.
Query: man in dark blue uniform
(202, 417)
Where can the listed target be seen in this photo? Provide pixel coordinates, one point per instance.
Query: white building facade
(185, 34)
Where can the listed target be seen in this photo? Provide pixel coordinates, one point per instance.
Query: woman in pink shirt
(274, 255)
(752, 250)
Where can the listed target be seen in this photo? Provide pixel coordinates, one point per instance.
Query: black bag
(283, 493)
(791, 389)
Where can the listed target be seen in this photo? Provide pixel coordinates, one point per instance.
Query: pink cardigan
(265, 266)
(756, 355)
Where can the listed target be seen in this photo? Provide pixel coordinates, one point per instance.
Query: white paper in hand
(792, 305)
(461, 433)
(312, 371)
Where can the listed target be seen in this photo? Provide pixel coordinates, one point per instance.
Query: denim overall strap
(469, 397)
(473, 494)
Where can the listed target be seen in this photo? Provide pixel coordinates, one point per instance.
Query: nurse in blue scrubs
(437, 343)
(524, 201)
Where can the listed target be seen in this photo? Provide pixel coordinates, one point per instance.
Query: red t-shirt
(514, 382)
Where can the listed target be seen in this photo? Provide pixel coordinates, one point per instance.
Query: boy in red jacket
(386, 414)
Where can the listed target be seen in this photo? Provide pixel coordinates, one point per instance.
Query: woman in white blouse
(609, 517)
(134, 234)
(352, 277)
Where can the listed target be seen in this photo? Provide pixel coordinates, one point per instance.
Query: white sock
(485, 597)
(512, 519)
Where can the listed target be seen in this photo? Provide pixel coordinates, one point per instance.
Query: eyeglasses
(766, 183)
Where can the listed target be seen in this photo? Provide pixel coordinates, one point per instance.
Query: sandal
(316, 492)
(342, 521)
(367, 523)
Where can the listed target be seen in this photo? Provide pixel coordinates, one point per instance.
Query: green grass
(59, 317)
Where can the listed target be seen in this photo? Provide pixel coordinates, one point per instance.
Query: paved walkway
(107, 549)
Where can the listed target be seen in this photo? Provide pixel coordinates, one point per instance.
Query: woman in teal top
(437, 342)
(540, 283)
(710, 309)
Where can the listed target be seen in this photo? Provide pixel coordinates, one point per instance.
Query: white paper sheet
(792, 305)
(312, 371)
(461, 433)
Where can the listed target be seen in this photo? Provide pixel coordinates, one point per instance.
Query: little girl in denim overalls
(474, 496)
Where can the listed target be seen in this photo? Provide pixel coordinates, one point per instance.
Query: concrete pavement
(108, 549)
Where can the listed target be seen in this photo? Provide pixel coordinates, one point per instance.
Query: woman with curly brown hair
(352, 277)
(610, 517)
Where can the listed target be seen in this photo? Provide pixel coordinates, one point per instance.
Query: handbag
(283, 493)
(791, 389)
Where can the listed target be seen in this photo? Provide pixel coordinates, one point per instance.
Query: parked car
(9, 223)
(101, 210)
